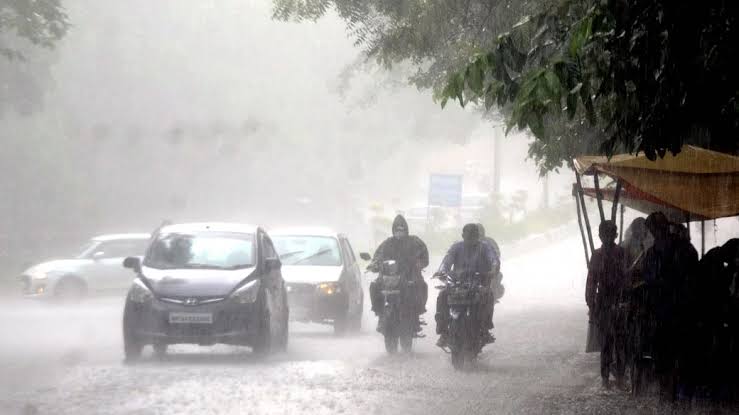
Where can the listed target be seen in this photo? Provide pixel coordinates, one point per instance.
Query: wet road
(69, 361)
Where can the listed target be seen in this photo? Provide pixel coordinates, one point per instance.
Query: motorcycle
(465, 295)
(398, 314)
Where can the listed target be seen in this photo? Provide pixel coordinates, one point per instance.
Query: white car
(96, 271)
(324, 282)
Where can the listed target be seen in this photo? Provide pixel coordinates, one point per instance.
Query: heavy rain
(378, 207)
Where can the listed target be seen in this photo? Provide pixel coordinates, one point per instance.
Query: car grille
(192, 301)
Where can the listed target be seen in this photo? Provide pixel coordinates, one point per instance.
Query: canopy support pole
(579, 223)
(598, 196)
(581, 198)
(687, 223)
(616, 197)
(621, 226)
(703, 238)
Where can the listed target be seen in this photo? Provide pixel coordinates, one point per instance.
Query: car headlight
(248, 293)
(329, 288)
(139, 293)
(41, 275)
(37, 275)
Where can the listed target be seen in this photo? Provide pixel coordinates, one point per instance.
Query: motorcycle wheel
(391, 344)
(406, 343)
(458, 359)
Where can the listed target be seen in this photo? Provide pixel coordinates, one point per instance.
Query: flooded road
(69, 360)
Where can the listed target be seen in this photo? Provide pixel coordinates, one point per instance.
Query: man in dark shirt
(604, 292)
(667, 269)
(466, 257)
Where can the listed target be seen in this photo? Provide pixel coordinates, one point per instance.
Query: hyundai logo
(191, 301)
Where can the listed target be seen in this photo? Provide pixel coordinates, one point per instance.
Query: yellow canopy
(702, 183)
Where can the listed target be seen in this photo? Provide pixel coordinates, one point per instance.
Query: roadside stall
(696, 185)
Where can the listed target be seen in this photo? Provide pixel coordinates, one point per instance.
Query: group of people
(476, 253)
(670, 317)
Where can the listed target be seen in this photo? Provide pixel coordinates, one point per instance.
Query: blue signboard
(445, 190)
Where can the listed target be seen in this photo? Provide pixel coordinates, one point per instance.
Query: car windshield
(308, 250)
(201, 250)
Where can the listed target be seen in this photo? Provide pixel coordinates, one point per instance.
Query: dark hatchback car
(323, 279)
(206, 283)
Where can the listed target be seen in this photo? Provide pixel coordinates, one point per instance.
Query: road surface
(68, 360)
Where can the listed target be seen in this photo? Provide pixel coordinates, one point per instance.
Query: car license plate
(190, 318)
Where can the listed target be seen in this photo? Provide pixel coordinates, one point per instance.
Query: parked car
(206, 283)
(324, 282)
(95, 271)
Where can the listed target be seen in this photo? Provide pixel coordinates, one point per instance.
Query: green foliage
(644, 75)
(435, 36)
(40, 22)
(584, 76)
(27, 27)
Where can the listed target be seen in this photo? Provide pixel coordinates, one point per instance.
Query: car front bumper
(307, 303)
(33, 288)
(232, 323)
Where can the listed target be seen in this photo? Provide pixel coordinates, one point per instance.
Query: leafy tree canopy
(581, 75)
(26, 26)
(649, 75)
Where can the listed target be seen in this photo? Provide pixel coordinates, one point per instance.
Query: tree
(435, 36)
(582, 75)
(26, 26)
(647, 75)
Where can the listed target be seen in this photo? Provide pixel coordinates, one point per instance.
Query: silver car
(97, 270)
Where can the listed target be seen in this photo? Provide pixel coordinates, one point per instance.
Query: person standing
(666, 269)
(604, 291)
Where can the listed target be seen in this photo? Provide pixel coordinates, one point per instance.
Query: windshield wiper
(319, 253)
(289, 254)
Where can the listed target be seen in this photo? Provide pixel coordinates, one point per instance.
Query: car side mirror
(97, 256)
(133, 263)
(365, 256)
(271, 264)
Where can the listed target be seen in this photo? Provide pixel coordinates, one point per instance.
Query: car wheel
(263, 343)
(356, 323)
(132, 345)
(283, 336)
(340, 325)
(285, 326)
(70, 290)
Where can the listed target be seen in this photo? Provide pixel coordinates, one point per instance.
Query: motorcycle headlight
(248, 293)
(329, 288)
(139, 293)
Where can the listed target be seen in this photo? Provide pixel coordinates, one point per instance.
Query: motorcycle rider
(467, 256)
(411, 255)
